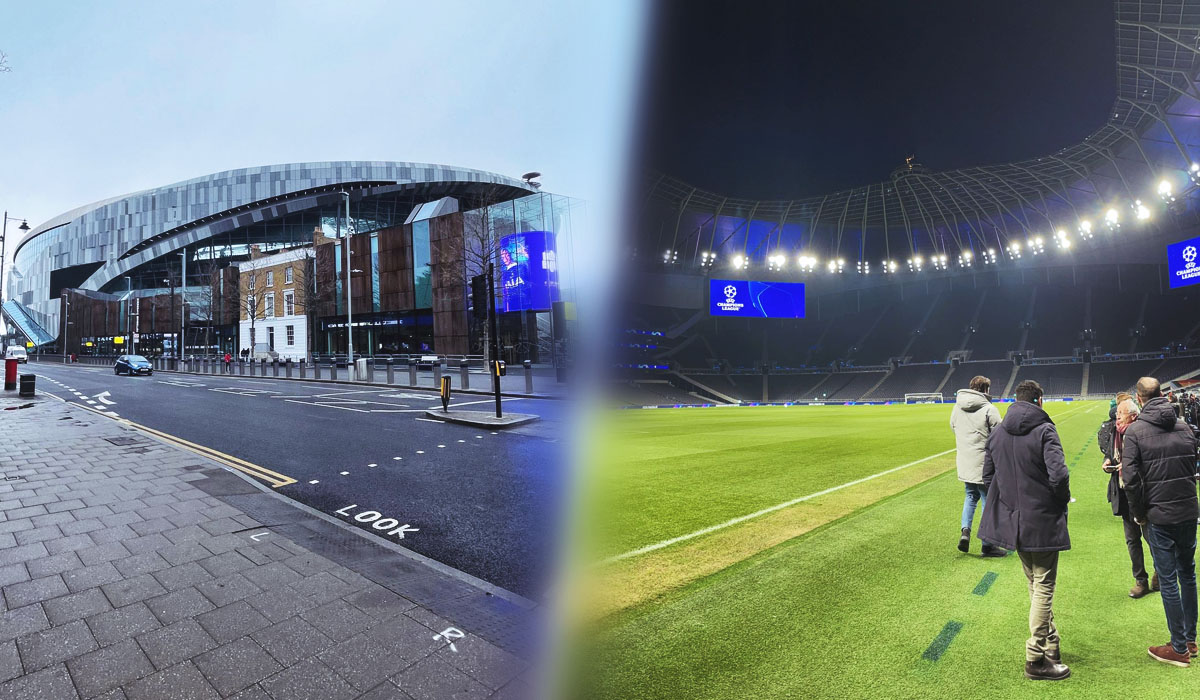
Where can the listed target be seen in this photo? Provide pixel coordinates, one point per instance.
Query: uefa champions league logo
(1189, 255)
(730, 305)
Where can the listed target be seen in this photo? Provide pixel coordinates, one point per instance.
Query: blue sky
(114, 97)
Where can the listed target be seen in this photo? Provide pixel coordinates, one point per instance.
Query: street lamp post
(350, 367)
(66, 323)
(4, 234)
(182, 301)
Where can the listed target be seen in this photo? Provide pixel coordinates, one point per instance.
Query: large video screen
(1182, 264)
(528, 272)
(756, 299)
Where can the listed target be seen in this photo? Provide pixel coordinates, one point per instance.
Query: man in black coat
(1024, 463)
(1158, 465)
(1110, 437)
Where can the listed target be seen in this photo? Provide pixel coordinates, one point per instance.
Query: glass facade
(422, 272)
(215, 219)
(375, 291)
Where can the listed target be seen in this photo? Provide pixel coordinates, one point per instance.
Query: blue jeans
(976, 494)
(1174, 550)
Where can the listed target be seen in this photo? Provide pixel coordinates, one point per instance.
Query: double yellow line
(273, 478)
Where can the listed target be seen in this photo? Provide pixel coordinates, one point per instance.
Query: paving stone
(232, 621)
(57, 644)
(179, 682)
(15, 573)
(308, 680)
(10, 661)
(278, 607)
(132, 590)
(227, 589)
(60, 506)
(102, 553)
(27, 512)
(182, 576)
(188, 533)
(23, 553)
(386, 690)
(224, 543)
(16, 525)
(309, 564)
(183, 553)
(80, 527)
(54, 564)
(122, 623)
(75, 606)
(225, 564)
(37, 534)
(147, 543)
(52, 519)
(138, 564)
(379, 602)
(433, 678)
(108, 535)
(362, 661)
(34, 591)
(69, 544)
(292, 640)
(22, 621)
(109, 668)
(483, 661)
(338, 620)
(322, 586)
(176, 642)
(273, 575)
(48, 684)
(116, 519)
(148, 527)
(91, 576)
(175, 606)
(254, 692)
(236, 666)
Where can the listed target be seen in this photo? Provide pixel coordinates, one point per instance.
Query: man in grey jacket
(972, 420)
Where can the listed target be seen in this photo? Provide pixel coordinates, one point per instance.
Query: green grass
(847, 609)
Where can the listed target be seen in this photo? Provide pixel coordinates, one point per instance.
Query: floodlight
(670, 256)
(1085, 229)
(1141, 212)
(740, 262)
(1165, 191)
(1112, 218)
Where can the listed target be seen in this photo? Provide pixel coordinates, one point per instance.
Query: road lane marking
(258, 535)
(101, 397)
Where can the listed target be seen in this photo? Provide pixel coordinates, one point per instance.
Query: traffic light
(479, 296)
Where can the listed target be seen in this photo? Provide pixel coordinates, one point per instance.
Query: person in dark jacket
(1158, 466)
(1110, 438)
(1028, 491)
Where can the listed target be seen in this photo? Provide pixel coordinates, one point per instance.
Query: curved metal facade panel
(102, 232)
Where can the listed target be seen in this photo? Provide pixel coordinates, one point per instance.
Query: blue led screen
(528, 272)
(1182, 263)
(756, 299)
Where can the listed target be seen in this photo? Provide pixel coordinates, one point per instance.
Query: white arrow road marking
(101, 398)
(257, 535)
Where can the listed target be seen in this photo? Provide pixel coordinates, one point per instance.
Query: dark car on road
(132, 364)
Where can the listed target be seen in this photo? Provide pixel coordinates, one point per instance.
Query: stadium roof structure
(1127, 172)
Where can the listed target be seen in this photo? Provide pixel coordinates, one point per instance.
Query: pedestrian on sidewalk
(1026, 475)
(1158, 465)
(972, 419)
(228, 359)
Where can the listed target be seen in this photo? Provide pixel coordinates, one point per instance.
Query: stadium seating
(651, 393)
(844, 386)
(910, 379)
(998, 328)
(944, 330)
(790, 387)
(1056, 380)
(1057, 321)
(1107, 378)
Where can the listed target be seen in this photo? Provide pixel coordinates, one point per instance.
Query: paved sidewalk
(131, 568)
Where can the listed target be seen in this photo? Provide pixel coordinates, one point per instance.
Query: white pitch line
(344, 473)
(764, 511)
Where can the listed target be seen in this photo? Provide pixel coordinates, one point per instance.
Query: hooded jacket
(972, 419)
(1027, 482)
(1158, 464)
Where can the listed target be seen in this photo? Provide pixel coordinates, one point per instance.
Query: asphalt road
(483, 502)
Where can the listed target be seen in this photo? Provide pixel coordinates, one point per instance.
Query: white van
(16, 352)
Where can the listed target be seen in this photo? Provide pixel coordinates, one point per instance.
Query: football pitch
(786, 552)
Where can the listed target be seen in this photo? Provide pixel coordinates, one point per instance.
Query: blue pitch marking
(939, 644)
(985, 583)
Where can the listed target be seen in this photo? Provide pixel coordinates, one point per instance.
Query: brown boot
(1141, 589)
(1167, 654)
(1192, 649)
(1046, 670)
(1154, 582)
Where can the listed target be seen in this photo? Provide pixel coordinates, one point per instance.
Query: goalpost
(928, 397)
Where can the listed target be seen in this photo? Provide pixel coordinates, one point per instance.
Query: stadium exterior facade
(134, 247)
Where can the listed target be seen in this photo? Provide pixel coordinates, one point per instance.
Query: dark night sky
(784, 99)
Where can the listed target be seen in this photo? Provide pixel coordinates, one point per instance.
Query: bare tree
(481, 246)
(4, 67)
(252, 298)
